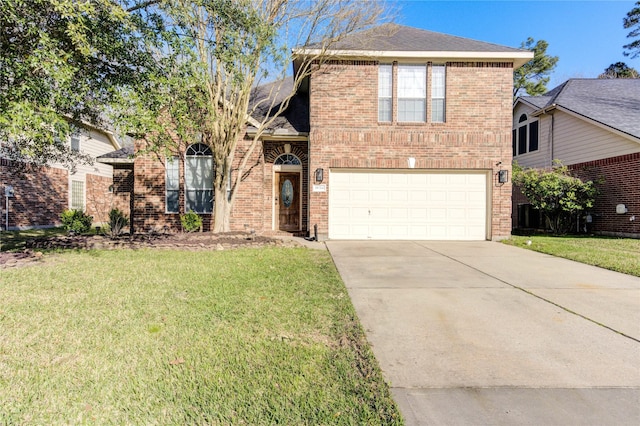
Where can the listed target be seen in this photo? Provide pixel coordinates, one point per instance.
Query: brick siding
(99, 198)
(621, 176)
(345, 132)
(41, 195)
(148, 206)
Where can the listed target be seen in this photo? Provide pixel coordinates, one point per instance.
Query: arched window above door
(287, 159)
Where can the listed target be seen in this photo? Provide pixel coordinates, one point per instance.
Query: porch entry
(287, 201)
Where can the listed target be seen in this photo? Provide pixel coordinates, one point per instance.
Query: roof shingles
(612, 102)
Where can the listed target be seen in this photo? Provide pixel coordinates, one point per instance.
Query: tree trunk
(221, 210)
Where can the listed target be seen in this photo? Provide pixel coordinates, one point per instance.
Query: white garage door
(407, 205)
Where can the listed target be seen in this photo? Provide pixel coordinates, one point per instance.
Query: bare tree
(214, 53)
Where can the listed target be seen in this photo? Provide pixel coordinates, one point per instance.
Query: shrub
(76, 221)
(560, 196)
(191, 222)
(117, 222)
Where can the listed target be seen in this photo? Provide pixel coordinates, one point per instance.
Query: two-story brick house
(402, 135)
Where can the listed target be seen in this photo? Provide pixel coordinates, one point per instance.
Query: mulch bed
(193, 241)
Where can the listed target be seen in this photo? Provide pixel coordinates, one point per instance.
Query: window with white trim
(525, 135)
(385, 93)
(412, 93)
(287, 159)
(172, 185)
(438, 79)
(198, 174)
(77, 195)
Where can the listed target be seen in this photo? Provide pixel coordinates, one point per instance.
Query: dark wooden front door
(288, 201)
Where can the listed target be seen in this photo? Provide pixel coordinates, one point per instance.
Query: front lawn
(249, 336)
(616, 254)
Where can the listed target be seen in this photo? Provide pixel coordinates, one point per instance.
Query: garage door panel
(437, 196)
(418, 214)
(457, 196)
(359, 196)
(399, 196)
(407, 205)
(378, 196)
(456, 215)
(437, 214)
(399, 213)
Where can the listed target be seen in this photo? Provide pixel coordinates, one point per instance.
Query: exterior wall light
(319, 175)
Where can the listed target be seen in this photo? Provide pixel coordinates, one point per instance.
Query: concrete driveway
(484, 333)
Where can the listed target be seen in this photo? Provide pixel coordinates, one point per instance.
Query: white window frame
(524, 127)
(77, 189)
(438, 93)
(385, 93)
(412, 93)
(172, 183)
(202, 164)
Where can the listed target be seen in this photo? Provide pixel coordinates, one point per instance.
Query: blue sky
(587, 36)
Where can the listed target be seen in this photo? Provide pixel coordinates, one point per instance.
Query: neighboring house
(400, 136)
(41, 194)
(592, 126)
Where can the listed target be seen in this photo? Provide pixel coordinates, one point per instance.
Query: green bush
(191, 222)
(117, 222)
(560, 196)
(76, 221)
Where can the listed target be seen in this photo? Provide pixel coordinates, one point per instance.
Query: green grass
(252, 336)
(616, 254)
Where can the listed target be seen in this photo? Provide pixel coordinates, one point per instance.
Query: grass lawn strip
(616, 254)
(170, 337)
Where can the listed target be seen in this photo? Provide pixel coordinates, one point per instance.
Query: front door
(288, 201)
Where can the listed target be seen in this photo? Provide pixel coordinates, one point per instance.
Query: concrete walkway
(475, 333)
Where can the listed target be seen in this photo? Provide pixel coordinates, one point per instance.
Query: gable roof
(121, 156)
(614, 103)
(399, 41)
(293, 121)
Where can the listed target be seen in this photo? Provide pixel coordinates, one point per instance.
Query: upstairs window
(525, 135)
(402, 93)
(412, 93)
(385, 93)
(75, 143)
(437, 93)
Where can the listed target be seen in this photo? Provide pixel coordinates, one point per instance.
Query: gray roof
(399, 38)
(121, 156)
(294, 120)
(612, 102)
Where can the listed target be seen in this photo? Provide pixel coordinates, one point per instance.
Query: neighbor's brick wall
(41, 195)
(621, 176)
(345, 132)
(621, 186)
